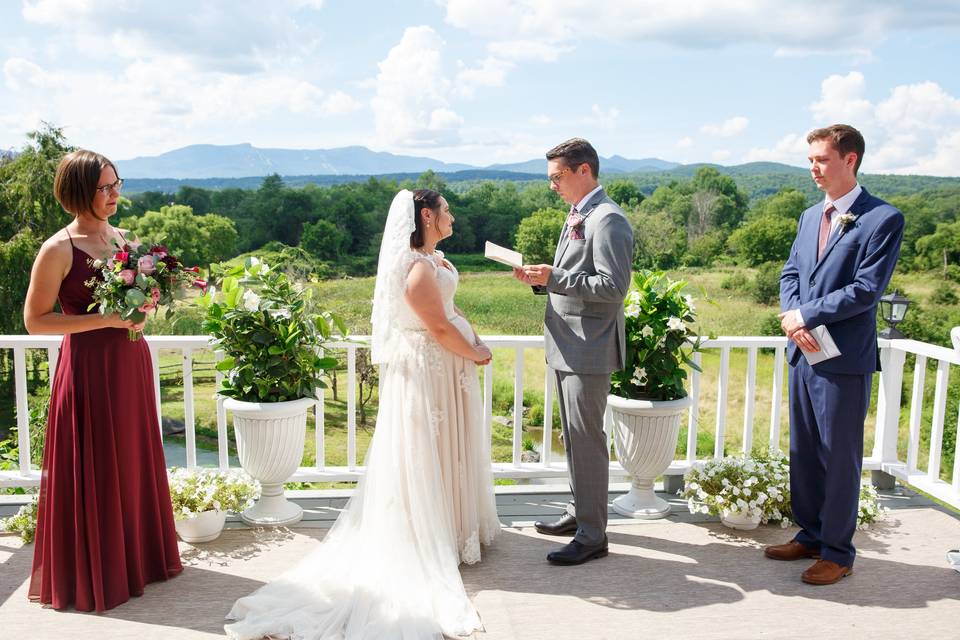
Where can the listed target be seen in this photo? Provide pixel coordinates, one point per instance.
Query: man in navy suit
(840, 264)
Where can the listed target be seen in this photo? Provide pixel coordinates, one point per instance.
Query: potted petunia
(648, 397)
(201, 499)
(272, 340)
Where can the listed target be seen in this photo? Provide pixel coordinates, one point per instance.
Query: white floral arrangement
(24, 522)
(193, 491)
(870, 510)
(757, 486)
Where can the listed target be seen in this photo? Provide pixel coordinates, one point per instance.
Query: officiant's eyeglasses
(107, 188)
(555, 178)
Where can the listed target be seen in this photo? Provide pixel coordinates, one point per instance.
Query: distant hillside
(243, 160)
(171, 185)
(613, 164)
(203, 161)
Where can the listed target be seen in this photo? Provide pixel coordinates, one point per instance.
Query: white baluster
(777, 398)
(188, 417)
(916, 412)
(351, 408)
(517, 405)
(23, 408)
(749, 393)
(722, 401)
(546, 446)
(223, 441)
(936, 430)
(693, 416)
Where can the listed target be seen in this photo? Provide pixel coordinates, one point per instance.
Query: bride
(389, 566)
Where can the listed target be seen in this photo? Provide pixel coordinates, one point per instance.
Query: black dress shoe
(566, 525)
(578, 553)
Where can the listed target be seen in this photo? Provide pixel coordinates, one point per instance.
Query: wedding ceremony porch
(680, 576)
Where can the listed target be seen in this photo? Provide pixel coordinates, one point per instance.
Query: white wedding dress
(389, 566)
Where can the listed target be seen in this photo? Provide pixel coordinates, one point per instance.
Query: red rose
(192, 269)
(121, 257)
(200, 284)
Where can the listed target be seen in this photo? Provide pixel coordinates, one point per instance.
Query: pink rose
(146, 265)
(146, 307)
(127, 275)
(155, 295)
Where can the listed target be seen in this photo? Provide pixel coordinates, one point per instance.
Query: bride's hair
(422, 198)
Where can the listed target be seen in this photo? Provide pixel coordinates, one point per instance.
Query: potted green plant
(201, 499)
(648, 397)
(272, 341)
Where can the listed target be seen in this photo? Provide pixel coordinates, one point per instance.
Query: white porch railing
(884, 456)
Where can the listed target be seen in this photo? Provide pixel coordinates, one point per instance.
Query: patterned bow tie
(575, 224)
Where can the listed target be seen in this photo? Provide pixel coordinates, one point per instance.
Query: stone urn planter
(270, 439)
(739, 520)
(645, 435)
(202, 527)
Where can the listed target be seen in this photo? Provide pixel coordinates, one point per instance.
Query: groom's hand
(537, 274)
(521, 275)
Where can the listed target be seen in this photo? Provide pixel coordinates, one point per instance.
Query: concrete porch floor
(681, 577)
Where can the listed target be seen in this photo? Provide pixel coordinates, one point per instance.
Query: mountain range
(202, 161)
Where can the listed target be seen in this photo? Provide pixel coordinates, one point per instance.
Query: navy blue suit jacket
(842, 289)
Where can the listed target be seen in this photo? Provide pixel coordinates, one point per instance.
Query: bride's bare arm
(423, 296)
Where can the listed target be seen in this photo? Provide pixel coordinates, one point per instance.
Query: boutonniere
(846, 220)
(575, 223)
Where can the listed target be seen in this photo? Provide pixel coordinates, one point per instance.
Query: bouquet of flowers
(138, 278)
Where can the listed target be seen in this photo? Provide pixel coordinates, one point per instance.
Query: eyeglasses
(555, 178)
(107, 188)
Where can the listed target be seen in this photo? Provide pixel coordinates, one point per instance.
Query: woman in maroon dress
(105, 526)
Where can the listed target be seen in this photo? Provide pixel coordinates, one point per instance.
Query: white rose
(251, 301)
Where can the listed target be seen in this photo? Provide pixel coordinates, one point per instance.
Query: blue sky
(725, 81)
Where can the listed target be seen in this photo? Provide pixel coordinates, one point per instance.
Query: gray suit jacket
(584, 324)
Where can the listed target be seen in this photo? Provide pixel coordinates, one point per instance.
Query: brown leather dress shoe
(792, 550)
(825, 572)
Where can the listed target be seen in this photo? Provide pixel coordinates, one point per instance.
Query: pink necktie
(825, 228)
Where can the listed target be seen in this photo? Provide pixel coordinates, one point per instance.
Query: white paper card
(828, 348)
(502, 255)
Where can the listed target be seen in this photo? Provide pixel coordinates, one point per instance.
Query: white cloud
(21, 74)
(603, 118)
(915, 129)
(727, 128)
(814, 26)
(410, 107)
(216, 34)
(541, 120)
(490, 73)
(721, 155)
(339, 103)
(685, 142)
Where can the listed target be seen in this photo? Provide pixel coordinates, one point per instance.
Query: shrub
(766, 283)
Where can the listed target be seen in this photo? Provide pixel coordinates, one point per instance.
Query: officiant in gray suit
(584, 337)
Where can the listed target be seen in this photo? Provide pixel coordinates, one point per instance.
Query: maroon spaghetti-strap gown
(105, 527)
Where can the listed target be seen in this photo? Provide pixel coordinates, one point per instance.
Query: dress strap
(69, 237)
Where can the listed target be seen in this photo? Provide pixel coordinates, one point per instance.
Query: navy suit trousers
(827, 411)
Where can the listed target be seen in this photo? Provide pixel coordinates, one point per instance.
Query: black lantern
(893, 307)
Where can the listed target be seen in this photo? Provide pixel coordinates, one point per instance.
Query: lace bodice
(447, 279)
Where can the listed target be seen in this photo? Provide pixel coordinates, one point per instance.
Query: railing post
(888, 413)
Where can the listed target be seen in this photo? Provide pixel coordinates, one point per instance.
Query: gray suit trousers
(583, 401)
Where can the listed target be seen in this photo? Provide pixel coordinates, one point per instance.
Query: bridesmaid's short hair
(422, 198)
(75, 184)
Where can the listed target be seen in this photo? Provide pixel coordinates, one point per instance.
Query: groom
(584, 337)
(839, 266)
